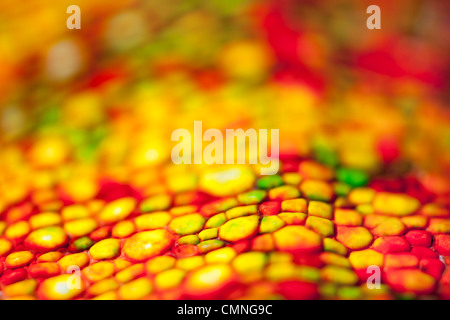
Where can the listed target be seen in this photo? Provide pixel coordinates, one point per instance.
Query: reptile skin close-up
(93, 205)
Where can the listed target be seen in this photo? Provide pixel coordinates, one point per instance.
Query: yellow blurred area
(108, 96)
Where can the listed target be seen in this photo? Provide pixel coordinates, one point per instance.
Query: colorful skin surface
(223, 248)
(93, 207)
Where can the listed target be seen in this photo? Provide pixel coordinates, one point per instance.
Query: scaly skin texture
(92, 207)
(224, 248)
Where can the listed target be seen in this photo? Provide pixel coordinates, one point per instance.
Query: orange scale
(354, 238)
(447, 260)
(46, 239)
(57, 288)
(44, 270)
(18, 259)
(209, 281)
(438, 225)
(294, 205)
(401, 260)
(185, 251)
(99, 271)
(52, 256)
(241, 246)
(390, 227)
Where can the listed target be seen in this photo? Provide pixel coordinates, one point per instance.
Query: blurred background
(102, 101)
